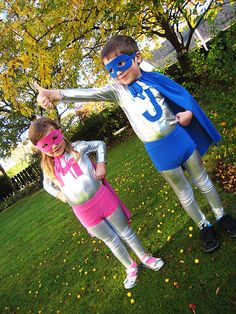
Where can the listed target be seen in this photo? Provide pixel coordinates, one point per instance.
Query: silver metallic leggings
(114, 228)
(199, 177)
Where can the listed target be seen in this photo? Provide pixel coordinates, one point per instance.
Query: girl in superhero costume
(70, 176)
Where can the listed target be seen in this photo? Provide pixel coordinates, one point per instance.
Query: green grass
(48, 259)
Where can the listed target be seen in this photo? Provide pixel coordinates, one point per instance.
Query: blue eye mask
(120, 63)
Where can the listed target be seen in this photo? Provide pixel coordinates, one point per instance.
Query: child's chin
(125, 81)
(57, 154)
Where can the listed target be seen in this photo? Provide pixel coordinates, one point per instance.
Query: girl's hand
(100, 170)
(184, 118)
(61, 197)
(46, 97)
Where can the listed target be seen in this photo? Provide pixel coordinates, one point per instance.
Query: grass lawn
(49, 264)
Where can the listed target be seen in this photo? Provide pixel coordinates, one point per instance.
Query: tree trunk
(186, 70)
(185, 61)
(7, 178)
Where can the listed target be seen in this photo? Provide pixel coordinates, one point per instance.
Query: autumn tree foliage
(57, 43)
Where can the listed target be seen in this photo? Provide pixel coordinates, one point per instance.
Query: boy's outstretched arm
(184, 118)
(46, 97)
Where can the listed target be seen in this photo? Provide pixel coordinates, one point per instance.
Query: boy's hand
(184, 118)
(61, 197)
(46, 97)
(100, 170)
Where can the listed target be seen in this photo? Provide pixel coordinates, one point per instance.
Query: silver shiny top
(78, 190)
(134, 108)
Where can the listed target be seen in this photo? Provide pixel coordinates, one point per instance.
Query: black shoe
(229, 224)
(207, 235)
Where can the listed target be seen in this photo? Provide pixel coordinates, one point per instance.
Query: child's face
(126, 76)
(53, 143)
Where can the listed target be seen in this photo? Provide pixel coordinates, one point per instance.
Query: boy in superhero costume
(174, 129)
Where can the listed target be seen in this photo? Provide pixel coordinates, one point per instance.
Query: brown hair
(37, 131)
(119, 44)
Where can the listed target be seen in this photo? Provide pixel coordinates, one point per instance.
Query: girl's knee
(112, 242)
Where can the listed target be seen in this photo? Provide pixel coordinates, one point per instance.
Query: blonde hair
(37, 131)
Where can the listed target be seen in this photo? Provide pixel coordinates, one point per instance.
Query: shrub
(5, 189)
(26, 191)
(216, 65)
(101, 126)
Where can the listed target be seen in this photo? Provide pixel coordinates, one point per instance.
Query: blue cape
(179, 99)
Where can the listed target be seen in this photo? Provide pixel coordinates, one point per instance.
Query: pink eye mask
(53, 138)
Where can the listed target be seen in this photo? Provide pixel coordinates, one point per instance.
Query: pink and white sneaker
(132, 275)
(152, 262)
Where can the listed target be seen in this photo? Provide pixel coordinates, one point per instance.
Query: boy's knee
(203, 182)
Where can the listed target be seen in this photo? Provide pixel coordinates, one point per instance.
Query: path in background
(166, 55)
